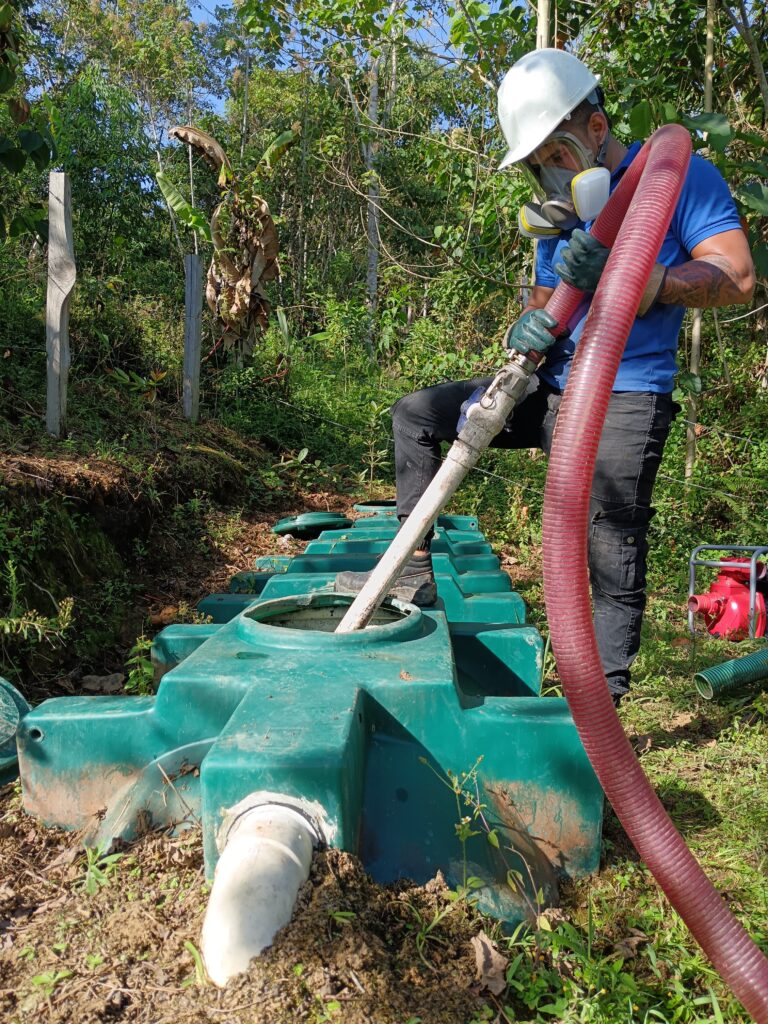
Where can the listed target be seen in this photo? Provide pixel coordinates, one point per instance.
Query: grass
(616, 952)
(621, 953)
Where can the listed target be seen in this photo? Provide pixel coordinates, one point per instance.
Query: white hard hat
(536, 94)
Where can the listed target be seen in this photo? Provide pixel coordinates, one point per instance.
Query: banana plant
(243, 236)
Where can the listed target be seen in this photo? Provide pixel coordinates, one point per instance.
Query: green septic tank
(372, 726)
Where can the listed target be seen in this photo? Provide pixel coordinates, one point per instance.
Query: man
(551, 113)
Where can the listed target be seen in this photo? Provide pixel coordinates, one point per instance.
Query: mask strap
(601, 151)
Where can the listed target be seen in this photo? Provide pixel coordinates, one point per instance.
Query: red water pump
(725, 609)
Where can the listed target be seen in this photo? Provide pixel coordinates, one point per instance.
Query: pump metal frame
(693, 562)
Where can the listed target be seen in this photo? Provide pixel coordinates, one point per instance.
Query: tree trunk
(693, 402)
(742, 26)
(373, 200)
(244, 120)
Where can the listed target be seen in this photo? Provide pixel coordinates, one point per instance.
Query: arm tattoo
(704, 283)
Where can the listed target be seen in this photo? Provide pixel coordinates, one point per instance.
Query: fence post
(193, 273)
(61, 280)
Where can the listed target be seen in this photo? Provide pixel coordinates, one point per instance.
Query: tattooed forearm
(706, 282)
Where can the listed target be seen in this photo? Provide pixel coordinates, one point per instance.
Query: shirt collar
(629, 156)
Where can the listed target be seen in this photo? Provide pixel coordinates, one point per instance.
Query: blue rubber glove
(584, 260)
(531, 332)
(467, 404)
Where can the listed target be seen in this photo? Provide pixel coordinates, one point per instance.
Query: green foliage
(144, 388)
(200, 978)
(47, 981)
(141, 675)
(188, 215)
(100, 866)
(27, 624)
(20, 145)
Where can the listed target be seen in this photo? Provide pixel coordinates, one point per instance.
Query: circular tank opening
(322, 613)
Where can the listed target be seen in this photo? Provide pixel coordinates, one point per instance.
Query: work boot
(415, 584)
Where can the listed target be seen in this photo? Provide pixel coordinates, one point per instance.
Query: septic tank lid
(310, 524)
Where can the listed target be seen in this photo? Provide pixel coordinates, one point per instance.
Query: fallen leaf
(165, 616)
(628, 946)
(680, 641)
(491, 965)
(65, 858)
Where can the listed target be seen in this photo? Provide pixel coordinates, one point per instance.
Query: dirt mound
(94, 939)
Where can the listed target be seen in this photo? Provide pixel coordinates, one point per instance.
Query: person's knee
(414, 414)
(404, 408)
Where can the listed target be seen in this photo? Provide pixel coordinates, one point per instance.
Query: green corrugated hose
(732, 675)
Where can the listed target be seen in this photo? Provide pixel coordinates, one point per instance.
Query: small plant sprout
(342, 916)
(200, 977)
(48, 980)
(99, 866)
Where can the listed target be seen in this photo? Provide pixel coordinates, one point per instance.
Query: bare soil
(117, 940)
(127, 950)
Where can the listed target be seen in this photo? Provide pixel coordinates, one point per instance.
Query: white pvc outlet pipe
(266, 856)
(484, 421)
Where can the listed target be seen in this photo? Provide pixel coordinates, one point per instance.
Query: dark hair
(581, 114)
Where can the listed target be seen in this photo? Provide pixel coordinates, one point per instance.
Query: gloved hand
(584, 259)
(531, 331)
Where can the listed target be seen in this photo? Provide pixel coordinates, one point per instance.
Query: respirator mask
(572, 185)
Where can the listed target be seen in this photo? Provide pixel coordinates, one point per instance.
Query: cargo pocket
(617, 556)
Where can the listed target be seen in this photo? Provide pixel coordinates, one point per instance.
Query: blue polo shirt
(705, 208)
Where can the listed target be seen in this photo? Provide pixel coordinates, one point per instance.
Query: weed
(427, 927)
(144, 388)
(225, 529)
(99, 866)
(321, 1011)
(48, 980)
(342, 916)
(200, 977)
(27, 624)
(188, 521)
(483, 1015)
(141, 677)
(376, 449)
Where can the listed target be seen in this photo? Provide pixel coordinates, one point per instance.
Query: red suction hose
(647, 194)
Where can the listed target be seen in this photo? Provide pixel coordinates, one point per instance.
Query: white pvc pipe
(266, 858)
(484, 421)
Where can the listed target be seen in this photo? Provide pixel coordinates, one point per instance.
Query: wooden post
(542, 24)
(61, 280)
(695, 364)
(193, 272)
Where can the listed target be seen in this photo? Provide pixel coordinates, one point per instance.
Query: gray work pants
(628, 458)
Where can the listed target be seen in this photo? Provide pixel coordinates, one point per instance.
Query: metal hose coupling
(486, 418)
